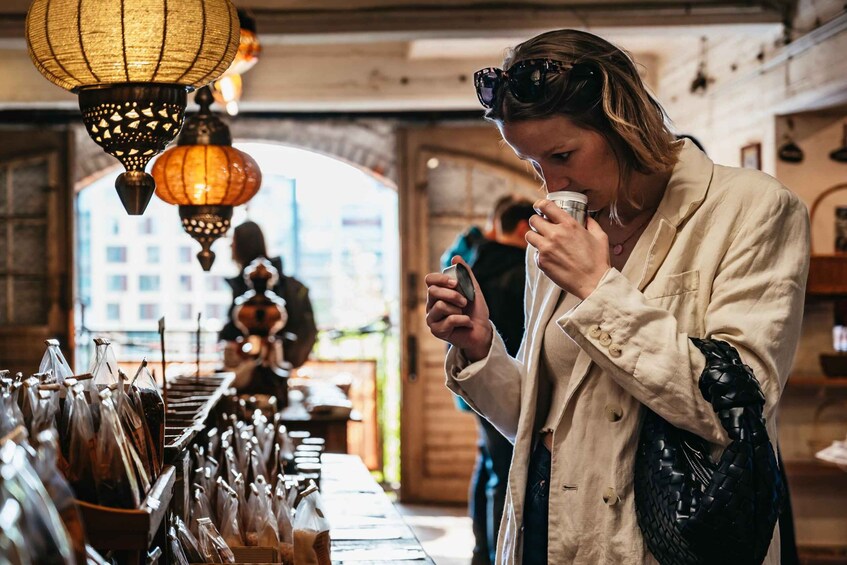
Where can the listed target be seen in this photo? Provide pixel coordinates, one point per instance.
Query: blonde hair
(613, 102)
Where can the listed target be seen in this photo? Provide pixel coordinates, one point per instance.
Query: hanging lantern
(227, 89)
(132, 63)
(206, 177)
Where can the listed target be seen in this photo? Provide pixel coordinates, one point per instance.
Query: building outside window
(185, 283)
(113, 312)
(153, 255)
(116, 283)
(215, 311)
(186, 312)
(185, 254)
(148, 311)
(148, 283)
(148, 226)
(116, 254)
(215, 284)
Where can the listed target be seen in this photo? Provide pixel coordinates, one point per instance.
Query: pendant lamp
(206, 177)
(132, 64)
(227, 89)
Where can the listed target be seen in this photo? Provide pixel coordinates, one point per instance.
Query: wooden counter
(365, 526)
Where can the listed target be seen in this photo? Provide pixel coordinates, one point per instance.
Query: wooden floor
(444, 531)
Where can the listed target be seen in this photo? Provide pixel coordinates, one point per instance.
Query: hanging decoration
(702, 80)
(789, 151)
(227, 89)
(206, 177)
(132, 64)
(840, 154)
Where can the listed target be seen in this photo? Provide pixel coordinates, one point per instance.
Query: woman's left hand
(572, 257)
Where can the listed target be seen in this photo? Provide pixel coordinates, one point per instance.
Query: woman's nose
(554, 182)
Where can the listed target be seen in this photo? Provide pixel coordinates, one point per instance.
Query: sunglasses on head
(526, 79)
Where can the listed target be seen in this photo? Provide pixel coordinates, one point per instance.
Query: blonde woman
(678, 247)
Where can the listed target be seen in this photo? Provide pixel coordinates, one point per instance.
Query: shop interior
(374, 155)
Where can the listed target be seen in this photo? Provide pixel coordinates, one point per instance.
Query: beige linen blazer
(725, 256)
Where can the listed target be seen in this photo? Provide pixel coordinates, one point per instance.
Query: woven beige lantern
(132, 63)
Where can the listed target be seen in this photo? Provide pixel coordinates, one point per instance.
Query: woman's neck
(650, 189)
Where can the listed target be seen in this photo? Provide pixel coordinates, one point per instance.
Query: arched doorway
(333, 224)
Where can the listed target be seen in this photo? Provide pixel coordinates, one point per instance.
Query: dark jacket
(501, 272)
(299, 333)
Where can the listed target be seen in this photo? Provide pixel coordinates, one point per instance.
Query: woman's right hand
(452, 318)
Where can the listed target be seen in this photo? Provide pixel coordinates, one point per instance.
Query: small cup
(459, 272)
(574, 203)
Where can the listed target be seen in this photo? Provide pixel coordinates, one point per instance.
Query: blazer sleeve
(492, 386)
(755, 305)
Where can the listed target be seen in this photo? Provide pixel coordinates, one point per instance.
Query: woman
(678, 247)
(300, 332)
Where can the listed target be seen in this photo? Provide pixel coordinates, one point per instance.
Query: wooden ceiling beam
(409, 22)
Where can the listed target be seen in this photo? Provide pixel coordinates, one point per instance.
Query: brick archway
(368, 144)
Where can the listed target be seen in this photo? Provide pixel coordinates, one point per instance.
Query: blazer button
(594, 331)
(615, 350)
(610, 497)
(605, 339)
(613, 413)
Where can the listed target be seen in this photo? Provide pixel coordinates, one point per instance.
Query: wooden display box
(253, 556)
(827, 276)
(118, 529)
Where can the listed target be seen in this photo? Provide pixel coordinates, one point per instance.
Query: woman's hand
(572, 257)
(452, 318)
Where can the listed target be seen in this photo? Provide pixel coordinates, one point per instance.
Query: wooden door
(453, 176)
(35, 250)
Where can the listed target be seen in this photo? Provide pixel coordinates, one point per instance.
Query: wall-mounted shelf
(827, 277)
(796, 382)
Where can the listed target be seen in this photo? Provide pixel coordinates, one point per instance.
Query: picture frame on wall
(751, 156)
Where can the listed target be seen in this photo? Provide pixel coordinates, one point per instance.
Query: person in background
(467, 243)
(500, 270)
(676, 247)
(300, 332)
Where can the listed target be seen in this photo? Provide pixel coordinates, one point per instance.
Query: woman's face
(567, 157)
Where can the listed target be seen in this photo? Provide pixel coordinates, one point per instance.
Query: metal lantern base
(133, 123)
(206, 224)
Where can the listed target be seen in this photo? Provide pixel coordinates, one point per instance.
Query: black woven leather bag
(692, 511)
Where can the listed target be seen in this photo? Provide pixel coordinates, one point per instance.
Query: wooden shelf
(116, 529)
(813, 468)
(827, 277)
(795, 382)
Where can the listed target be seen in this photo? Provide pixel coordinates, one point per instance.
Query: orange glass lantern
(227, 89)
(206, 177)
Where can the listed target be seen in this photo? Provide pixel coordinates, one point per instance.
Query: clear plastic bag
(228, 517)
(311, 530)
(188, 541)
(261, 528)
(134, 428)
(213, 548)
(82, 446)
(59, 490)
(54, 362)
(115, 477)
(104, 367)
(153, 411)
(40, 523)
(178, 556)
(13, 544)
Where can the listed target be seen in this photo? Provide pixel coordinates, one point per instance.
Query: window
(116, 283)
(185, 283)
(153, 255)
(185, 254)
(215, 311)
(148, 311)
(148, 226)
(116, 227)
(116, 254)
(214, 284)
(113, 312)
(186, 312)
(148, 283)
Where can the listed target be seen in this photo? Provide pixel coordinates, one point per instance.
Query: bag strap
(732, 389)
